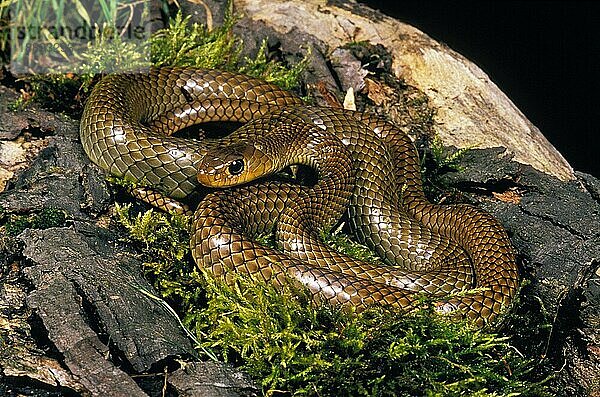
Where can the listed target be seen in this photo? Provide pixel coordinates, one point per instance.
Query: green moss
(272, 71)
(292, 346)
(163, 240)
(444, 159)
(17, 104)
(107, 53)
(344, 244)
(436, 161)
(46, 218)
(165, 237)
(16, 225)
(56, 91)
(123, 182)
(185, 44)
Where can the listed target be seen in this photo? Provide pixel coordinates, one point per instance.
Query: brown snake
(362, 163)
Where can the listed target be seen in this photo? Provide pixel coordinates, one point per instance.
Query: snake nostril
(236, 167)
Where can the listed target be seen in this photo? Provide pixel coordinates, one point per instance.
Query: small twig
(209, 17)
(129, 19)
(166, 376)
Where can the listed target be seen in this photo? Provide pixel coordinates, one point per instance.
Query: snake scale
(364, 166)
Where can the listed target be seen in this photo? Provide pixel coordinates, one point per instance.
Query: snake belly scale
(363, 163)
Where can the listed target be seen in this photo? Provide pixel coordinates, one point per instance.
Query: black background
(545, 55)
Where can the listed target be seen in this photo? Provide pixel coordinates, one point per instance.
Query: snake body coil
(363, 163)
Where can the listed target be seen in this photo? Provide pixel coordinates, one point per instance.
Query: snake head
(233, 165)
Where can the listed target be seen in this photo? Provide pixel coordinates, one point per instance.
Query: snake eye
(236, 167)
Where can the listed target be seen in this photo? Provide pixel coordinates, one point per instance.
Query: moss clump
(109, 53)
(163, 237)
(56, 91)
(443, 160)
(342, 243)
(46, 218)
(292, 346)
(272, 71)
(436, 161)
(185, 44)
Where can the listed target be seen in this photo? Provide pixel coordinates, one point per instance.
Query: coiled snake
(363, 165)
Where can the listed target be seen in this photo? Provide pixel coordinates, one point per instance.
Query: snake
(366, 168)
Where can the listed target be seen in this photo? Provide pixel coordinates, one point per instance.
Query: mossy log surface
(78, 317)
